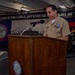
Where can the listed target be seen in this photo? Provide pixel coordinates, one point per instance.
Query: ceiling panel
(32, 5)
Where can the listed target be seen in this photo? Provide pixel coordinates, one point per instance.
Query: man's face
(51, 14)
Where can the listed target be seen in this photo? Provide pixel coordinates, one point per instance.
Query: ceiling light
(24, 9)
(61, 6)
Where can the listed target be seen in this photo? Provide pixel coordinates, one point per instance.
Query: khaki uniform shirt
(59, 28)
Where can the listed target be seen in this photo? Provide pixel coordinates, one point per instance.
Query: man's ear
(55, 11)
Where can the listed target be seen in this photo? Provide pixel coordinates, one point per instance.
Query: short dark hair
(52, 6)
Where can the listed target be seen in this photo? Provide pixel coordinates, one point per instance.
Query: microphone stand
(28, 28)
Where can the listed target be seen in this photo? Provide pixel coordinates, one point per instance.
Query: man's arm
(64, 38)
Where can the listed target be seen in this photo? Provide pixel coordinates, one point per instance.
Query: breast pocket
(59, 30)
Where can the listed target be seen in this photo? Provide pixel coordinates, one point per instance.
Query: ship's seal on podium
(17, 68)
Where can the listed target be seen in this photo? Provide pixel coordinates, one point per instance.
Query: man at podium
(57, 27)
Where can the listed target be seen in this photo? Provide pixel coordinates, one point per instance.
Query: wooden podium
(37, 55)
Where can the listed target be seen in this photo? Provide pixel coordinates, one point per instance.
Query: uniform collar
(56, 20)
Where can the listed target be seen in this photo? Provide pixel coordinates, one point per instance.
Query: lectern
(36, 55)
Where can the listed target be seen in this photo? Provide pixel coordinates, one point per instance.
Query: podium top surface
(34, 36)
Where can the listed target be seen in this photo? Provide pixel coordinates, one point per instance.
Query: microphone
(37, 22)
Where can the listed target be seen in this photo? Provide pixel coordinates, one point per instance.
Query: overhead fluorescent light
(61, 6)
(24, 9)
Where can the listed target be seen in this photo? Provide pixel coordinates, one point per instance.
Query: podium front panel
(37, 55)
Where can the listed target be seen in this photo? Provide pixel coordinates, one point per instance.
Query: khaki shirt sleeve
(65, 29)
